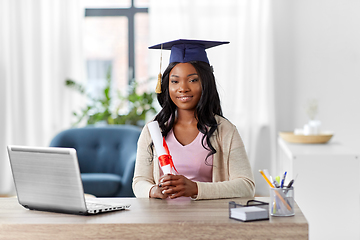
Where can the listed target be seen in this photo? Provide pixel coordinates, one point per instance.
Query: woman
(206, 149)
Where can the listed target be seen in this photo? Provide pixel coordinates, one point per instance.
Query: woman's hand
(156, 192)
(177, 186)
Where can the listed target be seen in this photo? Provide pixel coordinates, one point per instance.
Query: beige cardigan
(232, 175)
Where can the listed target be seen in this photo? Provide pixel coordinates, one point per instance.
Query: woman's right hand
(156, 192)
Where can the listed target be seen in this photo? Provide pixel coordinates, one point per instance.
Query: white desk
(327, 188)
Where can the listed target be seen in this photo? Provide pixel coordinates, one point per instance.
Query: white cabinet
(327, 188)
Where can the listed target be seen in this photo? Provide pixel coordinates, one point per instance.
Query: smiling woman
(244, 69)
(206, 149)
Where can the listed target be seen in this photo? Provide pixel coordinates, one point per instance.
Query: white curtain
(243, 68)
(40, 46)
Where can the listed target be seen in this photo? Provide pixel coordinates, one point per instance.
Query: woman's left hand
(178, 186)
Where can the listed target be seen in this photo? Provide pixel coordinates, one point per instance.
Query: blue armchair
(106, 157)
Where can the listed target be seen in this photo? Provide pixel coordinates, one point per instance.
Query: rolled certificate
(165, 160)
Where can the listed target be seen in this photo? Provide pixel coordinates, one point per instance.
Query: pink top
(189, 160)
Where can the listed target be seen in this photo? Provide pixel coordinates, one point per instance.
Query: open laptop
(49, 179)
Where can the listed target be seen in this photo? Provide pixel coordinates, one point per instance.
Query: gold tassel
(158, 85)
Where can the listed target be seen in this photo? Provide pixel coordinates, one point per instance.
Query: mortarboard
(185, 50)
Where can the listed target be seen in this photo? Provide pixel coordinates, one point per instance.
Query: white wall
(317, 55)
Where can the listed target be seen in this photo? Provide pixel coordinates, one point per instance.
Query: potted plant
(105, 109)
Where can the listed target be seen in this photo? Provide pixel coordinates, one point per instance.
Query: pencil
(268, 181)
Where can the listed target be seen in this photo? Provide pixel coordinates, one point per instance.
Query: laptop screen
(47, 178)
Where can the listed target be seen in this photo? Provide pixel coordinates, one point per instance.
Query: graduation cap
(185, 50)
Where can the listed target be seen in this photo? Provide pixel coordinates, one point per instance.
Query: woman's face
(185, 86)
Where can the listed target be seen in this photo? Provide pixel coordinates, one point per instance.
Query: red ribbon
(166, 159)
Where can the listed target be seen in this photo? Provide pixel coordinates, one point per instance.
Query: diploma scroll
(165, 160)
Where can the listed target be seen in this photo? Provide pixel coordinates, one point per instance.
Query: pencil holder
(282, 202)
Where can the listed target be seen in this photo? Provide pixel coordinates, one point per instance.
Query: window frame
(122, 12)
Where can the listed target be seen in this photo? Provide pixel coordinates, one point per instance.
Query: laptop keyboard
(96, 205)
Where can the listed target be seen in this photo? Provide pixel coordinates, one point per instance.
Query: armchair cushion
(95, 182)
(106, 157)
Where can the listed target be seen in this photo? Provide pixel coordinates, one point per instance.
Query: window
(116, 34)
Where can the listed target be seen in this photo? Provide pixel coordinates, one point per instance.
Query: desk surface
(180, 218)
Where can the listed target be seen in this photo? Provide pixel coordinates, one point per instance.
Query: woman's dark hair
(206, 109)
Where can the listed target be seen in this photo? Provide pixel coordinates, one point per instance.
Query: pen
(283, 180)
(276, 184)
(290, 183)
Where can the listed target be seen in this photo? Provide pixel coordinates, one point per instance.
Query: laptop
(49, 179)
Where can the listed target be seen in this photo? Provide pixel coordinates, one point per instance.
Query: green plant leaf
(103, 109)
